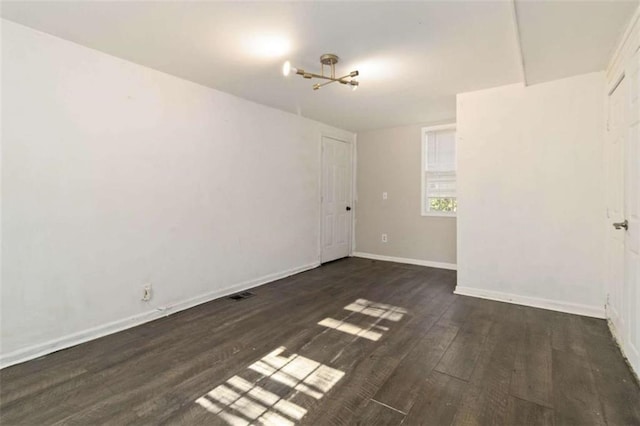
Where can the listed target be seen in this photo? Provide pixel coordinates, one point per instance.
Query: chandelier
(327, 60)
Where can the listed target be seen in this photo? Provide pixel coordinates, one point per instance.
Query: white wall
(115, 175)
(531, 194)
(389, 160)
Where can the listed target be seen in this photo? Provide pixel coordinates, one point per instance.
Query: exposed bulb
(354, 87)
(286, 68)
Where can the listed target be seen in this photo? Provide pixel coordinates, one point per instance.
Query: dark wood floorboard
(375, 414)
(438, 400)
(309, 349)
(401, 389)
(522, 412)
(486, 397)
(566, 334)
(620, 400)
(531, 378)
(575, 396)
(460, 358)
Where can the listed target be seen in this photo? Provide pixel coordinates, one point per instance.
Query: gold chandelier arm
(324, 77)
(318, 85)
(342, 79)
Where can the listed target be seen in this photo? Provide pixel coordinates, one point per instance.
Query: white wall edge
(534, 302)
(64, 342)
(354, 191)
(516, 35)
(441, 265)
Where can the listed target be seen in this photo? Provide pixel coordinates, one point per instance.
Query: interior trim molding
(441, 265)
(534, 302)
(615, 66)
(64, 342)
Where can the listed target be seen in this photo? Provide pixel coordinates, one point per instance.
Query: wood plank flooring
(354, 342)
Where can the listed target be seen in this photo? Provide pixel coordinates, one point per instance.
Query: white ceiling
(564, 38)
(413, 57)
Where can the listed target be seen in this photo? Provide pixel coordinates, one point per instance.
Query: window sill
(439, 214)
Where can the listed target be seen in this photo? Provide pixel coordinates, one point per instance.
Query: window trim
(425, 130)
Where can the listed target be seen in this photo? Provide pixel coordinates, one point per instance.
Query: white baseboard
(535, 302)
(41, 349)
(441, 265)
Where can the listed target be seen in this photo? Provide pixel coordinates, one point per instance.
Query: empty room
(320, 213)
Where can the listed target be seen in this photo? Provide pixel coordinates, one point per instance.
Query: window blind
(441, 164)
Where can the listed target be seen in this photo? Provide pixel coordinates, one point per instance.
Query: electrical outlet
(384, 238)
(146, 293)
(384, 195)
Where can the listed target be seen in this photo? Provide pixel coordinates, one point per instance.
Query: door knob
(620, 225)
(348, 208)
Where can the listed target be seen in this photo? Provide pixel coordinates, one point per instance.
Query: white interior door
(336, 199)
(614, 152)
(623, 211)
(632, 211)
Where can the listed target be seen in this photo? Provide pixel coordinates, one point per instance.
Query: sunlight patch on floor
(380, 311)
(240, 402)
(300, 373)
(350, 329)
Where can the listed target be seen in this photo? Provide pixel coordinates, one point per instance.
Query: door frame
(627, 47)
(351, 142)
(611, 87)
(613, 77)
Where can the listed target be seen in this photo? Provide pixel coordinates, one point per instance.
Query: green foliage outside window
(444, 205)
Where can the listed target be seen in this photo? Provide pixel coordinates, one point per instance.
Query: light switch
(384, 195)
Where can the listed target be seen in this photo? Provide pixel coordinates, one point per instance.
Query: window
(439, 171)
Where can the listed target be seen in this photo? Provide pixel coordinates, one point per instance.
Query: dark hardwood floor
(352, 342)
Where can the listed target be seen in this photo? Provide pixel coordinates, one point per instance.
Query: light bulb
(354, 87)
(286, 68)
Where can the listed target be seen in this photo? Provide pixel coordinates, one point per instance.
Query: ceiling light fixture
(327, 60)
